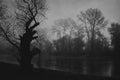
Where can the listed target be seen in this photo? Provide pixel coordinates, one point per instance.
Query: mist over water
(98, 67)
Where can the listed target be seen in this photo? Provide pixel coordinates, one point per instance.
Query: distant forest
(72, 39)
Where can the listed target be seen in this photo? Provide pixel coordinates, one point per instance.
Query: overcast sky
(58, 9)
(70, 8)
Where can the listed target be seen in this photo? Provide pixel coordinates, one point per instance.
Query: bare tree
(29, 14)
(93, 21)
(70, 37)
(114, 30)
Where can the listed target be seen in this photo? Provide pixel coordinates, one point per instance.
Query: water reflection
(108, 69)
(101, 67)
(90, 66)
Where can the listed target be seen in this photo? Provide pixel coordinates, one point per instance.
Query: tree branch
(8, 39)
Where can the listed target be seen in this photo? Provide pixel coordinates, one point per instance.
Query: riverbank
(11, 71)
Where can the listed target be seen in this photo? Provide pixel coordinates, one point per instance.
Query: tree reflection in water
(99, 67)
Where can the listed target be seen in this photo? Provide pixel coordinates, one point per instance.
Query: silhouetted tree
(93, 21)
(114, 30)
(27, 14)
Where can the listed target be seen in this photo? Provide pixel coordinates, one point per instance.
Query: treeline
(85, 37)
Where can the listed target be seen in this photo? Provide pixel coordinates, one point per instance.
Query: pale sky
(58, 9)
(70, 8)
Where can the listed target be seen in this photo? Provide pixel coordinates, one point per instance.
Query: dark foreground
(12, 71)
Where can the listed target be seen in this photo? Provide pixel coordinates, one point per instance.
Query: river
(82, 65)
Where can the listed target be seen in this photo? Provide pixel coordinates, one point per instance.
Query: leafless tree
(70, 37)
(28, 15)
(93, 21)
